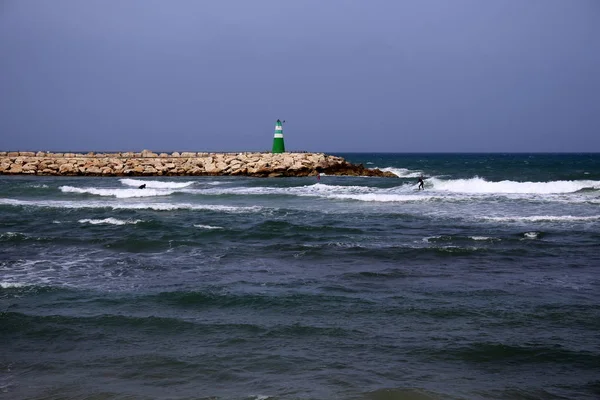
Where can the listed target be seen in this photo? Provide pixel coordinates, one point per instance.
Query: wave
(480, 185)
(384, 198)
(109, 221)
(436, 189)
(151, 184)
(363, 193)
(402, 172)
(544, 218)
(210, 298)
(527, 353)
(316, 189)
(9, 285)
(207, 226)
(532, 235)
(118, 193)
(12, 235)
(130, 206)
(451, 238)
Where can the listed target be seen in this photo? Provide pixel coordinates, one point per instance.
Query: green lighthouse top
(278, 145)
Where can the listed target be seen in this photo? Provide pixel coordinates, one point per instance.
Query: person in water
(142, 186)
(421, 184)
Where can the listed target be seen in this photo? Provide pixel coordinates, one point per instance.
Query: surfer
(421, 184)
(142, 186)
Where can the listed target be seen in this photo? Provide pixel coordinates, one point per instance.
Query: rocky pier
(148, 163)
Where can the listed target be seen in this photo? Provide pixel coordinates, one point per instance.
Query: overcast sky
(346, 75)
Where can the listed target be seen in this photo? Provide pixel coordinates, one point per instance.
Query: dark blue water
(485, 285)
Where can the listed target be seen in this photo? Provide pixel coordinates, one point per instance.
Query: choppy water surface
(483, 286)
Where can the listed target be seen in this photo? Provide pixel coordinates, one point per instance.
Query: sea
(484, 285)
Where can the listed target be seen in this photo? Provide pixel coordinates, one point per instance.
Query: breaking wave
(130, 206)
(207, 226)
(152, 184)
(545, 218)
(480, 185)
(118, 193)
(403, 172)
(108, 221)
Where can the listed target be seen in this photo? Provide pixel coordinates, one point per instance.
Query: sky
(345, 75)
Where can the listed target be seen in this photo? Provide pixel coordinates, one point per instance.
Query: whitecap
(542, 218)
(483, 238)
(7, 285)
(531, 235)
(480, 185)
(109, 221)
(153, 184)
(207, 226)
(403, 172)
(131, 206)
(118, 193)
(385, 198)
(7, 235)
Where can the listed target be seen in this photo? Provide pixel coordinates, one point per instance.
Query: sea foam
(480, 185)
(541, 218)
(7, 285)
(118, 193)
(130, 206)
(207, 226)
(152, 184)
(403, 172)
(109, 221)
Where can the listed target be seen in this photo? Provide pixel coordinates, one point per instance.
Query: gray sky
(346, 75)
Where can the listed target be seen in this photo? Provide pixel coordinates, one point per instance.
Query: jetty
(148, 163)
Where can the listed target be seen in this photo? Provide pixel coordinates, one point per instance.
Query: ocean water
(485, 285)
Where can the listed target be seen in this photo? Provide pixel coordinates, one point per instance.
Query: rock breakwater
(148, 163)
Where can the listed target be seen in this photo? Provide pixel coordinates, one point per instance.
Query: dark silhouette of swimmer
(142, 186)
(421, 184)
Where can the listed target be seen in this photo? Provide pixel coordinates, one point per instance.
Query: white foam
(316, 189)
(129, 206)
(483, 238)
(403, 172)
(7, 235)
(541, 218)
(531, 235)
(207, 226)
(6, 285)
(109, 221)
(402, 193)
(118, 193)
(480, 185)
(150, 184)
(384, 198)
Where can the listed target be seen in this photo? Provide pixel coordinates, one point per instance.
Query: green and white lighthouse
(278, 146)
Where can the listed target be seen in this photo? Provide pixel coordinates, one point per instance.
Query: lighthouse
(278, 146)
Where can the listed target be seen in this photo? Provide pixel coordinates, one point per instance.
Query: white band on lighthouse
(278, 135)
(278, 128)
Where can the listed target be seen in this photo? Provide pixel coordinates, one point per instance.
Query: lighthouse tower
(278, 146)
